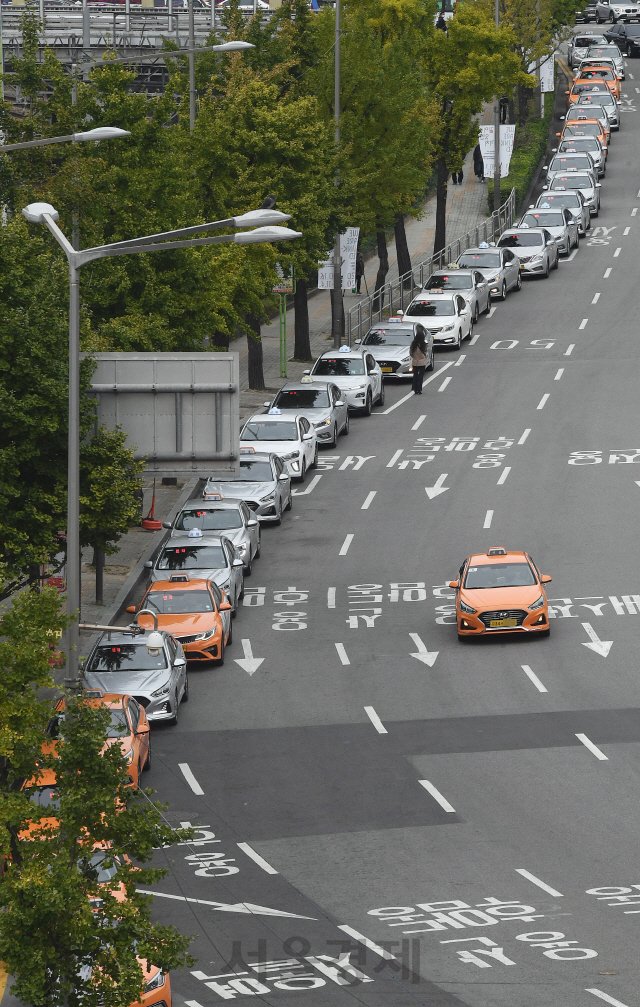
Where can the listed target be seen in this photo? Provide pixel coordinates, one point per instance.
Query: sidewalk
(466, 207)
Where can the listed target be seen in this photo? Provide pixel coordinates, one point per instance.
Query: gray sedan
(157, 680)
(571, 199)
(568, 160)
(587, 144)
(579, 47)
(232, 517)
(499, 266)
(322, 404)
(262, 481)
(560, 223)
(389, 343)
(469, 282)
(560, 181)
(536, 249)
(206, 556)
(604, 101)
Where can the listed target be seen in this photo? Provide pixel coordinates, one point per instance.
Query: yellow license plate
(386, 368)
(522, 265)
(495, 623)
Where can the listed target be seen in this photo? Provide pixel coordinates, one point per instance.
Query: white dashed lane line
(345, 545)
(541, 884)
(583, 323)
(488, 519)
(592, 748)
(533, 677)
(368, 500)
(543, 401)
(569, 350)
(375, 720)
(607, 273)
(596, 298)
(617, 253)
(559, 374)
(342, 654)
(503, 478)
(257, 859)
(190, 778)
(437, 796)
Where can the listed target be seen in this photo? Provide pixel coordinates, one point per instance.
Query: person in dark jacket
(457, 177)
(478, 163)
(418, 354)
(441, 23)
(359, 270)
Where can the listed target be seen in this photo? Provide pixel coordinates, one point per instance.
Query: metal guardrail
(394, 296)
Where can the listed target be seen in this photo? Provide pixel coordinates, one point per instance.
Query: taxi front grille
(253, 504)
(515, 613)
(143, 700)
(434, 332)
(186, 639)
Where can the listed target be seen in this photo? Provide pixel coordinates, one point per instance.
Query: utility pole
(336, 296)
(192, 69)
(496, 121)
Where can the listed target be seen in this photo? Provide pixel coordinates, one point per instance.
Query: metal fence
(397, 294)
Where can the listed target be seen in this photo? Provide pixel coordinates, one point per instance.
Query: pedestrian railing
(397, 294)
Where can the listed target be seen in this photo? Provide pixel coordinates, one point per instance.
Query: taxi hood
(191, 622)
(127, 682)
(501, 597)
(241, 489)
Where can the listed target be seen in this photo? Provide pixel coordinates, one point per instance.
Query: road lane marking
(617, 253)
(369, 500)
(375, 720)
(331, 597)
(460, 359)
(607, 273)
(570, 348)
(583, 323)
(257, 858)
(503, 478)
(488, 519)
(491, 311)
(237, 907)
(475, 339)
(423, 655)
(534, 678)
(342, 654)
(395, 456)
(418, 423)
(541, 884)
(345, 545)
(625, 232)
(190, 778)
(409, 395)
(637, 92)
(571, 257)
(559, 374)
(437, 796)
(543, 401)
(525, 435)
(367, 943)
(444, 384)
(596, 298)
(599, 993)
(634, 211)
(437, 488)
(312, 485)
(592, 748)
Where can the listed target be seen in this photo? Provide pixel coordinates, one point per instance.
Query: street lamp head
(100, 133)
(254, 217)
(35, 212)
(232, 46)
(262, 234)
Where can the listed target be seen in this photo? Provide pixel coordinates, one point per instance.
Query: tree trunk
(402, 248)
(302, 346)
(524, 93)
(254, 345)
(512, 110)
(440, 238)
(334, 322)
(383, 269)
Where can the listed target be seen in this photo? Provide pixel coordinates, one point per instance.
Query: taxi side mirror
(252, 522)
(308, 371)
(237, 563)
(454, 583)
(148, 565)
(266, 404)
(131, 608)
(167, 524)
(224, 606)
(545, 579)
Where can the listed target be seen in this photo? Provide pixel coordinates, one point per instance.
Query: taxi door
(511, 264)
(375, 377)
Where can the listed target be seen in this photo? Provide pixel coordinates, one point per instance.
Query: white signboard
(487, 148)
(546, 74)
(348, 252)
(325, 275)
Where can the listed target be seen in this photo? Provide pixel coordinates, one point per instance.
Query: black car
(626, 37)
(586, 15)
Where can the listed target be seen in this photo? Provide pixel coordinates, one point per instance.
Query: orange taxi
(581, 89)
(500, 592)
(599, 73)
(195, 612)
(129, 727)
(585, 127)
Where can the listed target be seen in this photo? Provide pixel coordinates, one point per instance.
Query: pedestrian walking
(418, 354)
(441, 23)
(457, 177)
(359, 270)
(478, 163)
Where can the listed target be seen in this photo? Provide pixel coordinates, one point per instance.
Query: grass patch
(529, 147)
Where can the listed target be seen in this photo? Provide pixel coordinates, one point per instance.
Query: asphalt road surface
(448, 824)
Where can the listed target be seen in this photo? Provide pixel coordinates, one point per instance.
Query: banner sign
(487, 148)
(348, 252)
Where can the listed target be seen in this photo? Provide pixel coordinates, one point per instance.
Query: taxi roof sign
(306, 380)
(218, 496)
(194, 533)
(274, 412)
(345, 349)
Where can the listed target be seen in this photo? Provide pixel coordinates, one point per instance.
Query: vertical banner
(547, 82)
(348, 252)
(487, 148)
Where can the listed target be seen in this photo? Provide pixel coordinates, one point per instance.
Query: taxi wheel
(185, 694)
(503, 293)
(459, 342)
(335, 434)
(476, 314)
(314, 465)
(557, 262)
(248, 569)
(303, 473)
(431, 363)
(545, 275)
(518, 285)
(229, 636)
(367, 408)
(220, 660)
(257, 552)
(345, 429)
(147, 764)
(289, 502)
(278, 520)
(382, 394)
(174, 719)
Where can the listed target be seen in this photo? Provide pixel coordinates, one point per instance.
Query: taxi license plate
(522, 265)
(386, 369)
(495, 623)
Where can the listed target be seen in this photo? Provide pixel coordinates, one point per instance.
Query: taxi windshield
(179, 602)
(192, 557)
(302, 398)
(590, 86)
(600, 72)
(570, 199)
(430, 308)
(579, 143)
(217, 519)
(255, 472)
(583, 41)
(126, 657)
(603, 97)
(338, 367)
(586, 129)
(395, 336)
(604, 50)
(571, 161)
(572, 182)
(280, 430)
(480, 260)
(524, 239)
(544, 218)
(45, 797)
(452, 281)
(491, 575)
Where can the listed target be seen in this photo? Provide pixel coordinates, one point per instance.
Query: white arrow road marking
(437, 488)
(248, 663)
(592, 748)
(238, 907)
(303, 493)
(541, 884)
(601, 647)
(424, 655)
(605, 996)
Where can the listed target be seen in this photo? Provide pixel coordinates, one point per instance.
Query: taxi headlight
(467, 608)
(537, 604)
(207, 635)
(405, 360)
(164, 691)
(287, 458)
(493, 279)
(155, 983)
(323, 423)
(129, 756)
(269, 498)
(446, 328)
(242, 548)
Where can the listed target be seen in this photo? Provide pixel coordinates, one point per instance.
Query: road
(327, 770)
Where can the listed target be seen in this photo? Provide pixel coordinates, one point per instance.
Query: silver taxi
(232, 518)
(568, 160)
(584, 181)
(535, 247)
(499, 266)
(469, 282)
(291, 437)
(389, 343)
(591, 145)
(580, 44)
(603, 100)
(607, 51)
(355, 372)
(214, 557)
(560, 223)
(447, 316)
(322, 404)
(572, 200)
(262, 481)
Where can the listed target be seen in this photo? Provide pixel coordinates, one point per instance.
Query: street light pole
(336, 297)
(192, 69)
(496, 128)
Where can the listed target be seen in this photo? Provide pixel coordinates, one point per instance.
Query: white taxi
(446, 314)
(356, 373)
(293, 438)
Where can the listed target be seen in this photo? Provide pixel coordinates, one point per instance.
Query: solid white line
(488, 519)
(583, 323)
(190, 778)
(491, 311)
(444, 384)
(607, 273)
(375, 720)
(592, 748)
(460, 359)
(572, 256)
(503, 478)
(395, 456)
(475, 339)
(367, 943)
(418, 423)
(536, 881)
(367, 502)
(617, 253)
(625, 232)
(426, 381)
(559, 374)
(525, 435)
(534, 678)
(342, 654)
(331, 597)
(596, 298)
(599, 993)
(442, 801)
(543, 401)
(569, 349)
(634, 211)
(345, 545)
(257, 858)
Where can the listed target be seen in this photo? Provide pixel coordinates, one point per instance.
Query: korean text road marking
(583, 323)
(342, 654)
(394, 458)
(368, 500)
(605, 996)
(596, 298)
(541, 884)
(190, 778)
(367, 943)
(375, 720)
(559, 374)
(488, 519)
(345, 545)
(419, 422)
(525, 435)
(592, 748)
(543, 401)
(534, 678)
(503, 478)
(257, 858)
(569, 350)
(617, 253)
(437, 796)
(607, 273)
